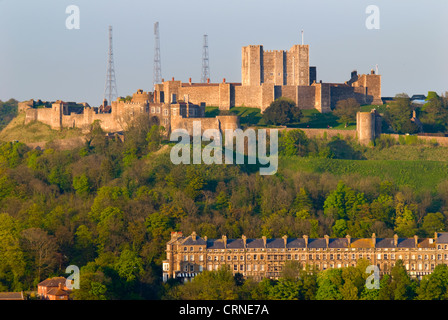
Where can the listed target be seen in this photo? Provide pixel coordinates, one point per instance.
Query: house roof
(52, 282)
(235, 244)
(275, 243)
(406, 243)
(254, 243)
(215, 244)
(11, 296)
(442, 237)
(361, 243)
(296, 243)
(338, 243)
(317, 243)
(188, 241)
(384, 243)
(57, 292)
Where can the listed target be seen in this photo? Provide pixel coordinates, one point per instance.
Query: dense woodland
(109, 207)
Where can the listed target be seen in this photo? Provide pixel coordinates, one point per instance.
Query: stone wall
(306, 97)
(248, 96)
(220, 123)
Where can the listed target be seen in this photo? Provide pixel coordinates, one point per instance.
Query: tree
(286, 289)
(111, 229)
(434, 113)
(346, 110)
(129, 265)
(154, 138)
(92, 285)
(282, 111)
(343, 202)
(398, 115)
(41, 249)
(400, 285)
(405, 224)
(12, 266)
(329, 283)
(209, 285)
(82, 185)
(293, 143)
(340, 228)
(435, 285)
(433, 222)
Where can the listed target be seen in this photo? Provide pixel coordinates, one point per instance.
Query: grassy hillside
(408, 152)
(34, 132)
(418, 174)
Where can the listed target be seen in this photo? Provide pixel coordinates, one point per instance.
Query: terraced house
(260, 258)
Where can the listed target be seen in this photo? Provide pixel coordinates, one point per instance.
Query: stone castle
(117, 116)
(265, 75)
(187, 256)
(268, 75)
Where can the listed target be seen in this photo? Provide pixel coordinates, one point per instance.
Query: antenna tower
(157, 76)
(110, 89)
(205, 62)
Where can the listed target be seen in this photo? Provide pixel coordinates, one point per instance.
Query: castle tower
(276, 67)
(252, 65)
(56, 115)
(368, 126)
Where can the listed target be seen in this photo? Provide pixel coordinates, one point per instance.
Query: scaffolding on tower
(157, 75)
(205, 61)
(110, 88)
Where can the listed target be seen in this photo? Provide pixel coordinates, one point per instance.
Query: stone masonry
(187, 256)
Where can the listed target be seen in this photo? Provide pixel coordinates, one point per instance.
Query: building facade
(265, 258)
(53, 289)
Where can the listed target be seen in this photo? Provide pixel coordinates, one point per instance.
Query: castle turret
(368, 126)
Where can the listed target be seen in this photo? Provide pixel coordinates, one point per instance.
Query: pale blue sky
(41, 59)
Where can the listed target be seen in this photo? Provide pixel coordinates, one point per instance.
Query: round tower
(365, 127)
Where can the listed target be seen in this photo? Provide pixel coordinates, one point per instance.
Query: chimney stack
(374, 240)
(306, 240)
(327, 239)
(224, 240)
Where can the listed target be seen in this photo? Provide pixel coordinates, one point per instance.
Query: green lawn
(248, 116)
(369, 107)
(418, 174)
(35, 131)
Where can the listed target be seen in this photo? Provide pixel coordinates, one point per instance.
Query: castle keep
(266, 258)
(268, 75)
